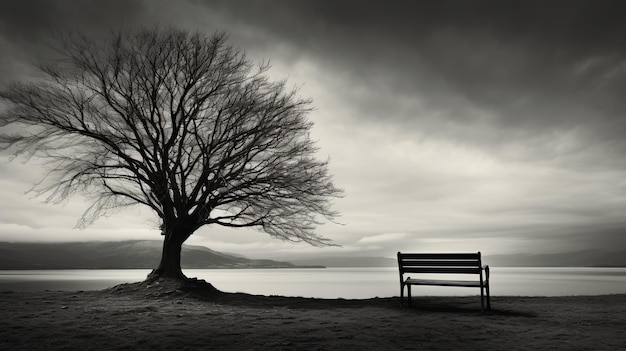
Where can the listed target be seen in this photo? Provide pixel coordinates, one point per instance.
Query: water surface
(336, 282)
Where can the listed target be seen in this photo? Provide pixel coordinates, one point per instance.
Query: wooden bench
(444, 263)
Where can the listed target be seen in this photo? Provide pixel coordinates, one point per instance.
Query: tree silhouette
(180, 122)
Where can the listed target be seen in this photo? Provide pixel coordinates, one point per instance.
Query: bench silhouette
(444, 263)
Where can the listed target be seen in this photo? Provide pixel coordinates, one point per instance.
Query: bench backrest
(437, 263)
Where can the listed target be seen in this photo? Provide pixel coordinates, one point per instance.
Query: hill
(345, 261)
(118, 255)
(585, 258)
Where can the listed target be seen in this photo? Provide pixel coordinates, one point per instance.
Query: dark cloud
(27, 26)
(526, 68)
(32, 20)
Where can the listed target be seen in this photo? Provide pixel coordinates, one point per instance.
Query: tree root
(161, 287)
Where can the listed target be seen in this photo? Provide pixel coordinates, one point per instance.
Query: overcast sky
(496, 126)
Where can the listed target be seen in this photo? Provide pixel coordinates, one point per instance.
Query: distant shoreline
(145, 254)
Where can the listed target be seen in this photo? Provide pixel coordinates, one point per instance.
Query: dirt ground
(139, 317)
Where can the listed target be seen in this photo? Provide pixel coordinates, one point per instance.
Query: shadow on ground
(204, 291)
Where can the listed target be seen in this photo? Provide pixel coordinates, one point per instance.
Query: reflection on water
(336, 282)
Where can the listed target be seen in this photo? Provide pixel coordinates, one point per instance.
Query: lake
(336, 282)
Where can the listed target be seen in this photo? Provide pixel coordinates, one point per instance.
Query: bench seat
(466, 283)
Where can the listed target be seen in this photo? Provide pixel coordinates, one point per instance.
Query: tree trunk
(169, 267)
(168, 277)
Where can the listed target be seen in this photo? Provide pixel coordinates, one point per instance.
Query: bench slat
(442, 270)
(440, 263)
(437, 256)
(465, 283)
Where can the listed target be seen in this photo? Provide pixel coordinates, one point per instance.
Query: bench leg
(488, 298)
(401, 294)
(408, 289)
(482, 299)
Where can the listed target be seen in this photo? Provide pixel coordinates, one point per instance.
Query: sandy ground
(140, 317)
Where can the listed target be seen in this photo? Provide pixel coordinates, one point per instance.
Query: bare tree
(177, 121)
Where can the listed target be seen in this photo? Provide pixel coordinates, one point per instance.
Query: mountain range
(146, 254)
(118, 255)
(584, 258)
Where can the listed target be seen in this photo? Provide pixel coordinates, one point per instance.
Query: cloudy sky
(496, 126)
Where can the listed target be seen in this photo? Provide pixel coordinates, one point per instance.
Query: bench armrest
(486, 268)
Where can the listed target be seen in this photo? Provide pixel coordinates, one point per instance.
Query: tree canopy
(177, 121)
